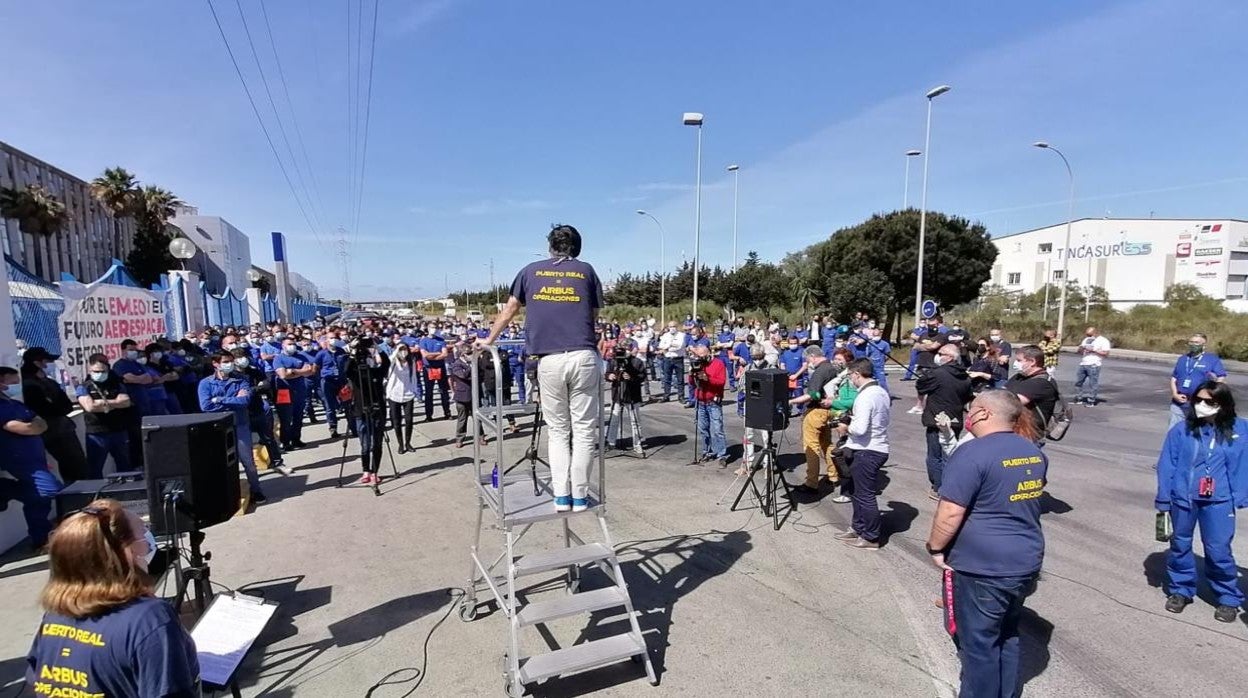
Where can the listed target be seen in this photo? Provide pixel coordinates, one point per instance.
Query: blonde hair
(90, 570)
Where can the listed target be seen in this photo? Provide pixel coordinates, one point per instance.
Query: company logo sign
(1121, 249)
(1210, 229)
(1183, 249)
(1209, 252)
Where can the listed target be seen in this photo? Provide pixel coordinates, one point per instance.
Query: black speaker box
(766, 399)
(127, 488)
(195, 456)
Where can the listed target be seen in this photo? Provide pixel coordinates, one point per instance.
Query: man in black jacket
(1034, 386)
(47, 399)
(946, 388)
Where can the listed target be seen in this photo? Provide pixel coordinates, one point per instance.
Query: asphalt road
(728, 606)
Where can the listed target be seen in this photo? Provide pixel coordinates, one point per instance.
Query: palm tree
(37, 210)
(117, 190)
(155, 206)
(150, 257)
(802, 292)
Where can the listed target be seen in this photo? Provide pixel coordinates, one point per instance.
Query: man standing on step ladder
(561, 297)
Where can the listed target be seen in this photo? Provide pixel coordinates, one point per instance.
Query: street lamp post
(1070, 216)
(662, 268)
(736, 181)
(695, 119)
(927, 149)
(905, 190)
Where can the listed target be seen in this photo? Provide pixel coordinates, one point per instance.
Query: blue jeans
(517, 377)
(1178, 413)
(864, 472)
(711, 429)
(1217, 530)
(673, 376)
(330, 385)
(101, 446)
(914, 360)
(371, 429)
(35, 487)
(936, 455)
(987, 611)
(246, 456)
(1091, 375)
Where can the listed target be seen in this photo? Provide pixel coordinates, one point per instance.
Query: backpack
(1059, 422)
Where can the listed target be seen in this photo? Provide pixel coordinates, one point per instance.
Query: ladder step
(581, 657)
(564, 605)
(545, 561)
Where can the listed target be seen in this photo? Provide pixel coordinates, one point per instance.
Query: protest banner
(98, 317)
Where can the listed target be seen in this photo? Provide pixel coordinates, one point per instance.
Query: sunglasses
(1205, 400)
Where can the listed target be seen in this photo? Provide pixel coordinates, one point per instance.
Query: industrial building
(225, 251)
(1133, 259)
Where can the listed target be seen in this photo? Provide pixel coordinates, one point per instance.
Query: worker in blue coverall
(22, 455)
(723, 352)
(916, 334)
(307, 351)
(230, 392)
(794, 364)
(328, 362)
(876, 348)
(292, 377)
(1202, 478)
(516, 356)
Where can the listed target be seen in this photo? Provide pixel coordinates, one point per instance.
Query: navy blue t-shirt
(560, 297)
(138, 649)
(999, 479)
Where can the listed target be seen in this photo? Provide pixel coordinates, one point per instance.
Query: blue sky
(491, 120)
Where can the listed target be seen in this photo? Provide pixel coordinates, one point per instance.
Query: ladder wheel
(510, 690)
(467, 611)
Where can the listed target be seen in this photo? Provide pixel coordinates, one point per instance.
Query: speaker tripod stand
(765, 460)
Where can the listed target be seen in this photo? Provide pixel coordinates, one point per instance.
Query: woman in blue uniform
(1202, 478)
(103, 633)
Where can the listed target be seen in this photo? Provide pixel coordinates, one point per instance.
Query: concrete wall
(226, 251)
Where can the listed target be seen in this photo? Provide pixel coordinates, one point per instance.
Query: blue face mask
(289, 349)
(13, 391)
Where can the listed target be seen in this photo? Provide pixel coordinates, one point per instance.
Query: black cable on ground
(413, 673)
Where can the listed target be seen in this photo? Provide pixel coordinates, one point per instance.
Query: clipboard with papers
(225, 633)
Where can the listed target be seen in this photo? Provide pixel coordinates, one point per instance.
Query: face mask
(13, 392)
(142, 360)
(839, 366)
(288, 349)
(99, 376)
(151, 547)
(1195, 349)
(132, 354)
(1204, 410)
(180, 352)
(792, 347)
(995, 337)
(226, 367)
(228, 346)
(242, 362)
(1018, 366)
(967, 423)
(279, 335)
(156, 355)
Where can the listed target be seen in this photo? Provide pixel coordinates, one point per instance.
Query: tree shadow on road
(655, 585)
(896, 520)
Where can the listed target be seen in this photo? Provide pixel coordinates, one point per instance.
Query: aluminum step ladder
(518, 502)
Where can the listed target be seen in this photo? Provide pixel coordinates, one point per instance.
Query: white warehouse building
(1133, 259)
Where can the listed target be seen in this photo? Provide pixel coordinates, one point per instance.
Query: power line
(294, 118)
(273, 105)
(368, 104)
(254, 110)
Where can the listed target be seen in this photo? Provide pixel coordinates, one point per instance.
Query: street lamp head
(182, 248)
(938, 91)
(253, 276)
(912, 153)
(692, 118)
(733, 168)
(1040, 144)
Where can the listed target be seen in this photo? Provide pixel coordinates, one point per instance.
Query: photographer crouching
(708, 378)
(626, 374)
(366, 372)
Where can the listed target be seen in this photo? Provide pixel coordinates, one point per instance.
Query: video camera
(619, 363)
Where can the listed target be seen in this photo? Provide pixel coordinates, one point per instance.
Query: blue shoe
(563, 503)
(580, 504)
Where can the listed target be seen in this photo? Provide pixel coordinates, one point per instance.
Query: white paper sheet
(225, 633)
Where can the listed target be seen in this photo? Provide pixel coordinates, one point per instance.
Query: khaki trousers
(817, 443)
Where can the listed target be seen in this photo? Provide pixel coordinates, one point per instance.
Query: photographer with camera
(366, 371)
(707, 378)
(625, 374)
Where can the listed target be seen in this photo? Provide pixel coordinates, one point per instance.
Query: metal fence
(225, 310)
(37, 306)
(302, 311)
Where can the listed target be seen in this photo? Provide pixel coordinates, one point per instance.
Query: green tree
(117, 190)
(957, 261)
(150, 257)
(37, 210)
(867, 290)
(755, 285)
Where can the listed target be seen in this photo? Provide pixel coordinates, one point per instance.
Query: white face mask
(1018, 366)
(940, 360)
(1204, 410)
(142, 360)
(99, 376)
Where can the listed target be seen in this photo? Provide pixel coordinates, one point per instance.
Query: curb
(1156, 357)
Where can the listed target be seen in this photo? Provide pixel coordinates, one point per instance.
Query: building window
(1058, 274)
(1046, 247)
(1014, 278)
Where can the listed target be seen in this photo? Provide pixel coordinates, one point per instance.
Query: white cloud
(494, 206)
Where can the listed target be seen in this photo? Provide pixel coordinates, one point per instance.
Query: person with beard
(946, 388)
(366, 371)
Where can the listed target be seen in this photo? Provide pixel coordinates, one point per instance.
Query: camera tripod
(379, 422)
(530, 453)
(768, 502)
